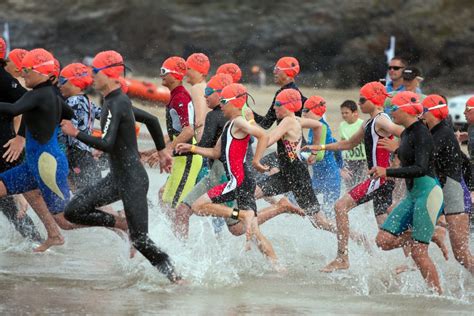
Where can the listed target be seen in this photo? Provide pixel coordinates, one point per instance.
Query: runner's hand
(346, 174)
(461, 136)
(15, 147)
(389, 144)
(312, 147)
(166, 161)
(311, 159)
(259, 167)
(183, 148)
(68, 128)
(249, 114)
(378, 172)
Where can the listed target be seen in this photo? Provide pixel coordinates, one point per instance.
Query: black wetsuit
(127, 180)
(415, 153)
(213, 127)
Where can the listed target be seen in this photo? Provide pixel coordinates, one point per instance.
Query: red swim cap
(39, 60)
(470, 102)
(437, 105)
(57, 68)
(176, 66)
(219, 82)
(289, 65)
(109, 58)
(78, 74)
(290, 99)
(16, 56)
(237, 91)
(199, 62)
(375, 92)
(316, 104)
(3, 48)
(408, 102)
(230, 69)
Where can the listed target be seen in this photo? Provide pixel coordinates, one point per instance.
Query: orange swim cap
(39, 60)
(289, 65)
(199, 62)
(408, 102)
(316, 104)
(218, 82)
(437, 105)
(57, 68)
(470, 102)
(176, 66)
(235, 94)
(110, 63)
(290, 99)
(375, 92)
(230, 69)
(3, 48)
(78, 74)
(16, 56)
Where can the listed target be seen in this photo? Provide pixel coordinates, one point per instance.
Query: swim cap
(40, 60)
(230, 69)
(316, 104)
(176, 66)
(436, 104)
(375, 92)
(408, 102)
(57, 68)
(218, 82)
(16, 56)
(237, 91)
(289, 65)
(3, 48)
(199, 62)
(78, 74)
(470, 102)
(109, 58)
(290, 99)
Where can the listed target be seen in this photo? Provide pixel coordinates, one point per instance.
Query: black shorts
(244, 194)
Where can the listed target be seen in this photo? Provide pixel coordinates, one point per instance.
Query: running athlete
(127, 180)
(448, 167)
(197, 69)
(379, 126)
(231, 150)
(326, 178)
(355, 161)
(45, 166)
(11, 90)
(231, 69)
(413, 219)
(73, 80)
(180, 125)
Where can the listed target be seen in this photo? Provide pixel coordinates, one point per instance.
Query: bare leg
(37, 203)
(438, 238)
(282, 206)
(426, 266)
(181, 222)
(458, 227)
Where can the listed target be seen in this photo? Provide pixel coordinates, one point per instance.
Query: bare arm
(200, 109)
(186, 135)
(262, 141)
(388, 126)
(278, 132)
(212, 153)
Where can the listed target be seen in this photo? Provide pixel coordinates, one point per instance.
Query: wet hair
(349, 104)
(401, 59)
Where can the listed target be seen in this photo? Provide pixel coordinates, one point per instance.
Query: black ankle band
(235, 214)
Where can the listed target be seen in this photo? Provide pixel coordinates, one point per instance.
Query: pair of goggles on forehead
(425, 110)
(306, 109)
(224, 101)
(164, 71)
(95, 70)
(276, 68)
(63, 80)
(32, 68)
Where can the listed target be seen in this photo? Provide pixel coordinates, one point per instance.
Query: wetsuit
(45, 166)
(180, 114)
(422, 204)
(83, 168)
(292, 177)
(127, 180)
(10, 91)
(326, 177)
(379, 190)
(448, 167)
(241, 185)
(354, 159)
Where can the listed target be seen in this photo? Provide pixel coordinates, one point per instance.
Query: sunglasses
(363, 100)
(32, 68)
(208, 91)
(95, 70)
(395, 68)
(439, 106)
(226, 101)
(63, 80)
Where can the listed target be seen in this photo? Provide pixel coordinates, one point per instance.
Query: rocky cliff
(339, 43)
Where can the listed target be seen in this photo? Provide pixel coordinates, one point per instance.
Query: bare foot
(289, 207)
(51, 241)
(402, 268)
(337, 264)
(438, 238)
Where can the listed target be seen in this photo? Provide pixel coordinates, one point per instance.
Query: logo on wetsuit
(107, 124)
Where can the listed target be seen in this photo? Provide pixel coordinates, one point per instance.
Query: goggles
(278, 103)
(306, 109)
(164, 71)
(396, 107)
(208, 91)
(32, 68)
(226, 101)
(95, 70)
(63, 80)
(439, 106)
